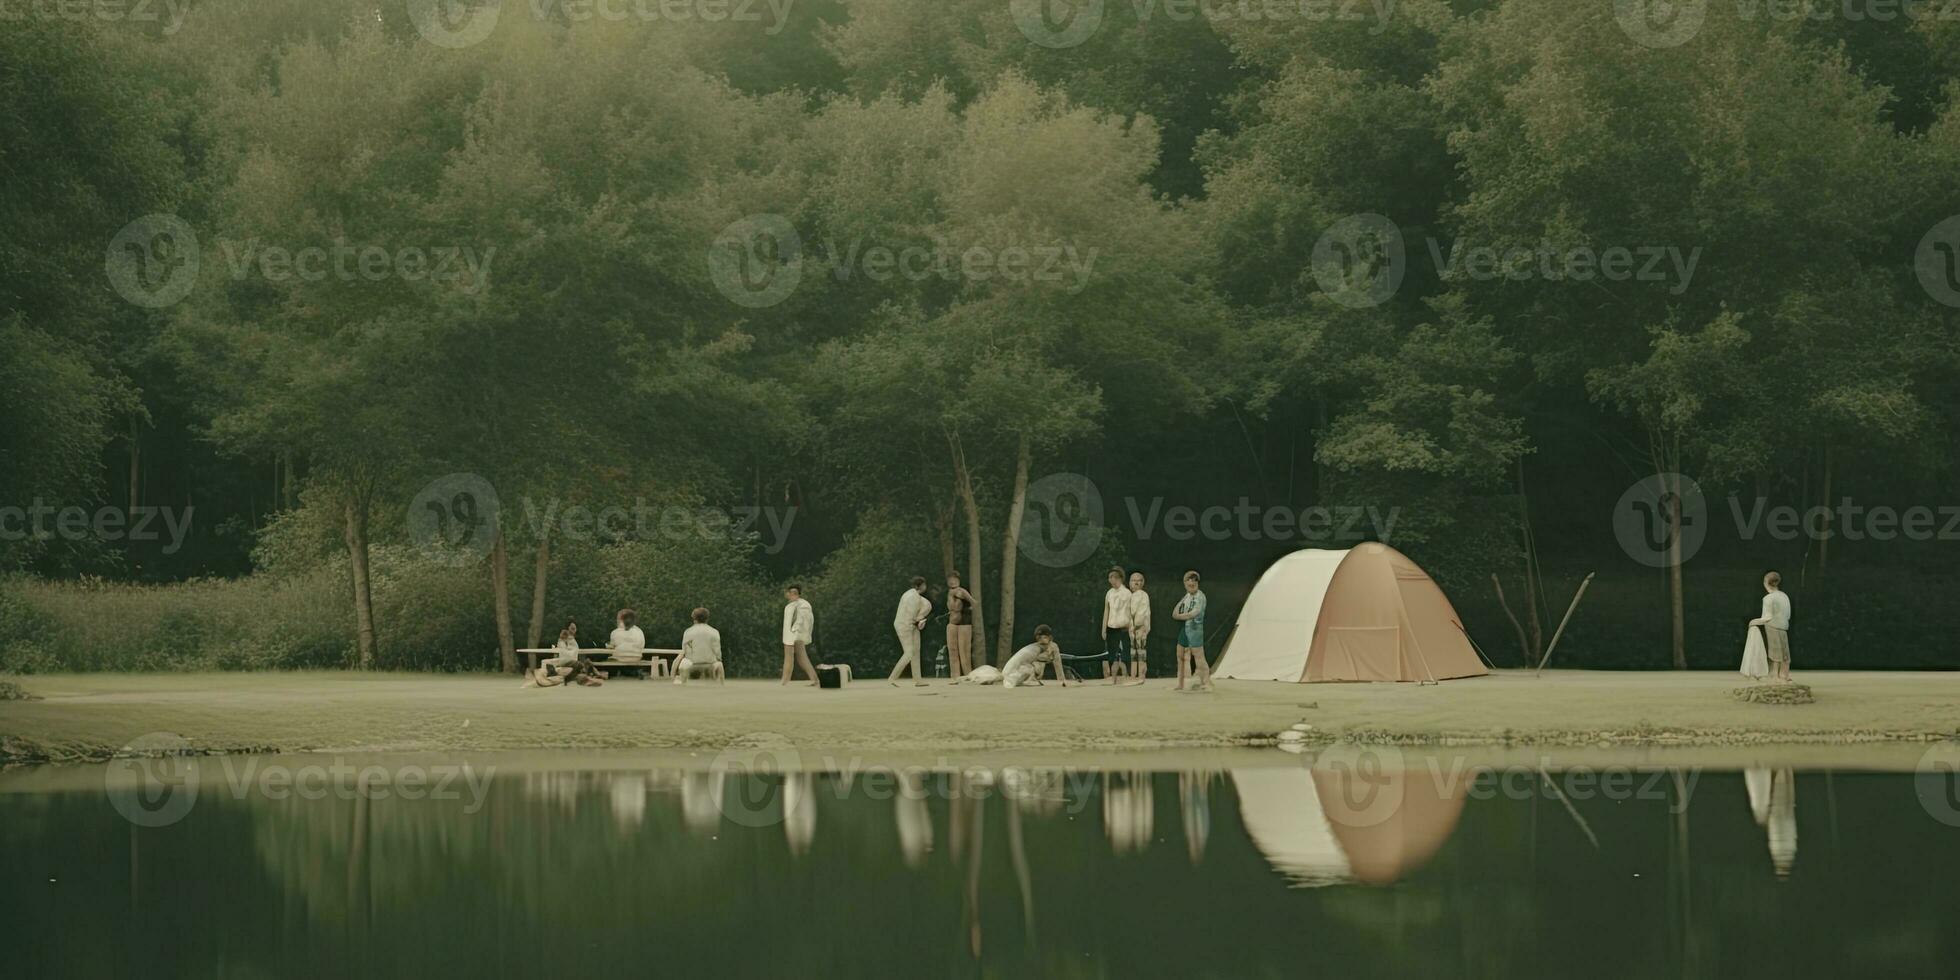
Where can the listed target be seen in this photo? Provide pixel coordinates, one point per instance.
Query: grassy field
(89, 716)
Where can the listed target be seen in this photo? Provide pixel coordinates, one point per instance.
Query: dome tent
(1366, 613)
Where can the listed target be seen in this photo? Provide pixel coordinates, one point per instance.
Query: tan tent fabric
(1364, 614)
(1323, 827)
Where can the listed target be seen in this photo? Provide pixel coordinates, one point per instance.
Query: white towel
(1755, 656)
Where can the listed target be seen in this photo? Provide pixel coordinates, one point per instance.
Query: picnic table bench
(654, 661)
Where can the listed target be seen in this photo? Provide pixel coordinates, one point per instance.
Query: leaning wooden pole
(1576, 596)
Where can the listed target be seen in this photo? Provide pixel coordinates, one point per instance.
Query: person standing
(1139, 628)
(913, 608)
(1116, 628)
(799, 628)
(959, 627)
(1190, 614)
(1775, 622)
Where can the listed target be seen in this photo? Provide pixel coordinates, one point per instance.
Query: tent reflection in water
(1366, 613)
(1337, 825)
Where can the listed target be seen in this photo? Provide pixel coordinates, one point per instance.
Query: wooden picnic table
(603, 657)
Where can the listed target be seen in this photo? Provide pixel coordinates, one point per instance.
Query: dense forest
(396, 333)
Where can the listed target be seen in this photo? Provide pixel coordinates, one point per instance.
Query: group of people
(700, 653)
(1125, 629)
(1125, 625)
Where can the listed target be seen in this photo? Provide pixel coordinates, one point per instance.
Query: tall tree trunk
(357, 553)
(1010, 552)
(943, 522)
(1824, 540)
(963, 483)
(135, 467)
(534, 634)
(1674, 586)
(500, 587)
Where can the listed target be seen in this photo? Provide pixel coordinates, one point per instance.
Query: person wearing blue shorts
(1190, 616)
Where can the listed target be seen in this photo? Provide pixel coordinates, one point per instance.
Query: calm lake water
(301, 866)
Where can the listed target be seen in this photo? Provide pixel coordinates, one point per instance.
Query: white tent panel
(1276, 626)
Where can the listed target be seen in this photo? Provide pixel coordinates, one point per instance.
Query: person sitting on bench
(627, 642)
(700, 650)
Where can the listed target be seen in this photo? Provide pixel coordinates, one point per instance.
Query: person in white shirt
(1139, 628)
(627, 642)
(700, 650)
(799, 629)
(1025, 666)
(1775, 622)
(1116, 629)
(913, 608)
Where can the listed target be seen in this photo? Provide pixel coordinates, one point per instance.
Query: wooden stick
(1524, 646)
(1576, 596)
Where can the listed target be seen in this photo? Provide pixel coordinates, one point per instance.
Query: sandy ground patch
(82, 717)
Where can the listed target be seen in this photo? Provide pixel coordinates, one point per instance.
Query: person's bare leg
(1183, 668)
(1203, 669)
(789, 661)
(803, 658)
